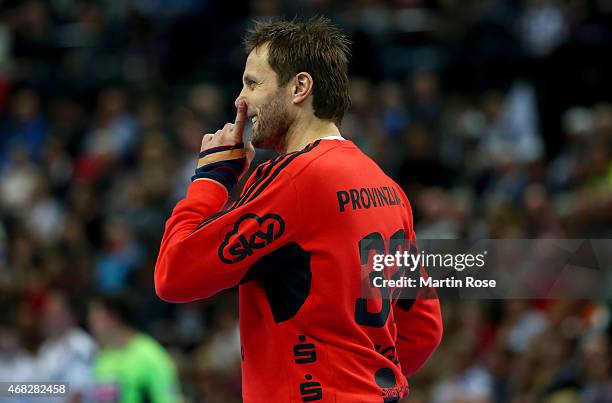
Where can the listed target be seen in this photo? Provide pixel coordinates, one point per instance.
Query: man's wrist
(223, 164)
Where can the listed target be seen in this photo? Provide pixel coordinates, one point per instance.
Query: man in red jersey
(294, 239)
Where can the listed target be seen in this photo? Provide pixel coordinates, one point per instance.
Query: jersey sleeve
(419, 331)
(205, 250)
(418, 322)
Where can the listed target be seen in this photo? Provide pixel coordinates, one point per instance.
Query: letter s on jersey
(249, 234)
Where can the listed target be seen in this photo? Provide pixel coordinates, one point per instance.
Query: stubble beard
(273, 123)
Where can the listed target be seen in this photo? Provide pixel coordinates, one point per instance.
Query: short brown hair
(314, 46)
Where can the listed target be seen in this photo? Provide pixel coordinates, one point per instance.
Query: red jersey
(292, 243)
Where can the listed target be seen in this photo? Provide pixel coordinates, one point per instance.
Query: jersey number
(375, 242)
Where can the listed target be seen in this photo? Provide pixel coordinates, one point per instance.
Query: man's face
(267, 103)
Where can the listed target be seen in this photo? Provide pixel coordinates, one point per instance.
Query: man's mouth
(254, 119)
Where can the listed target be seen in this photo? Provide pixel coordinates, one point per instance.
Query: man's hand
(231, 134)
(223, 156)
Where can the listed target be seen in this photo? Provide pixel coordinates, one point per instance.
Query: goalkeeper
(291, 241)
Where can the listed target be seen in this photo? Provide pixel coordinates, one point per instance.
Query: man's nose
(241, 97)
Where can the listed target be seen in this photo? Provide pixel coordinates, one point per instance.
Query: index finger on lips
(240, 119)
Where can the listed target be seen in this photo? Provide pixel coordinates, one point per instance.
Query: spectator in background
(597, 358)
(21, 338)
(68, 352)
(217, 360)
(577, 124)
(19, 182)
(467, 380)
(425, 104)
(543, 26)
(513, 129)
(16, 363)
(111, 140)
(26, 128)
(45, 218)
(120, 258)
(132, 367)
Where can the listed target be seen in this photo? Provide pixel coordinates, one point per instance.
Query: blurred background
(494, 116)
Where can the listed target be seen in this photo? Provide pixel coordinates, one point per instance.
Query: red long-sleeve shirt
(292, 243)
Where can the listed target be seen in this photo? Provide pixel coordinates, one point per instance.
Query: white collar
(332, 138)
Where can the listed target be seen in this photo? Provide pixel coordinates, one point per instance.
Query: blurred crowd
(494, 116)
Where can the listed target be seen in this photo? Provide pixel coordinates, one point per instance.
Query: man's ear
(302, 87)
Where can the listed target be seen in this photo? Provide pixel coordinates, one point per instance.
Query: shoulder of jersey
(315, 156)
(284, 167)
